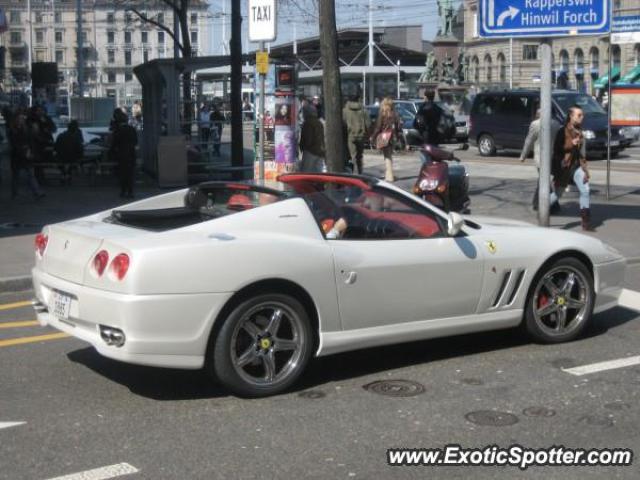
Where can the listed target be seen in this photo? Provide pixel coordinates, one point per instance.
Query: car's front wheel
(486, 145)
(263, 345)
(560, 303)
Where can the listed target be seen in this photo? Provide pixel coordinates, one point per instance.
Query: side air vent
(516, 287)
(500, 291)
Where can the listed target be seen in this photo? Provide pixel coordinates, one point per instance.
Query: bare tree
(331, 87)
(182, 39)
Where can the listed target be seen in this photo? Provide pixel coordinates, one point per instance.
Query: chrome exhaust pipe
(38, 306)
(112, 336)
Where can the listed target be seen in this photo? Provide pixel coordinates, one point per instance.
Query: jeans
(581, 185)
(311, 162)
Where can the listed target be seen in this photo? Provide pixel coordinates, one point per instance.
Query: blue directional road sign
(543, 18)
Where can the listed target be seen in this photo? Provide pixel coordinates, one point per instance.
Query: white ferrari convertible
(251, 279)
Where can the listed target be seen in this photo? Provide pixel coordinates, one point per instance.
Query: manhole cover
(539, 412)
(491, 418)
(395, 388)
(617, 406)
(596, 421)
(312, 394)
(472, 381)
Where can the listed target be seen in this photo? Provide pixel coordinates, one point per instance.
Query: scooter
(441, 182)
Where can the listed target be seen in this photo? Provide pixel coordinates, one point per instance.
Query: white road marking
(10, 424)
(102, 473)
(602, 366)
(630, 299)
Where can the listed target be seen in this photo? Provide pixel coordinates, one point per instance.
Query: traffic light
(2, 58)
(403, 75)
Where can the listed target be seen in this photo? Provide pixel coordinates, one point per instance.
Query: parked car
(501, 119)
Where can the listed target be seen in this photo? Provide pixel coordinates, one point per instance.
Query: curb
(15, 284)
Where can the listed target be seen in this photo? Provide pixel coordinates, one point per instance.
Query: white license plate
(61, 305)
(461, 129)
(614, 143)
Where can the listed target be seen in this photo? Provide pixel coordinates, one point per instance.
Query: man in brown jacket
(358, 123)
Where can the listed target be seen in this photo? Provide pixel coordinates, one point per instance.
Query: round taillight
(120, 265)
(41, 243)
(100, 262)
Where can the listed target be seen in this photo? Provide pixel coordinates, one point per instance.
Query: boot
(585, 215)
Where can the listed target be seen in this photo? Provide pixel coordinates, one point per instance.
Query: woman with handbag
(387, 129)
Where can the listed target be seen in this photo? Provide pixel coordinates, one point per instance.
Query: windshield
(585, 102)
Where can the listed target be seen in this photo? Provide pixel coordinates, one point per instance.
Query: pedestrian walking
(69, 148)
(387, 130)
(123, 149)
(570, 163)
(430, 120)
(22, 156)
(312, 141)
(204, 124)
(217, 124)
(532, 141)
(358, 124)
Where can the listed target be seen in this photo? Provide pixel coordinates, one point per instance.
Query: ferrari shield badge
(491, 246)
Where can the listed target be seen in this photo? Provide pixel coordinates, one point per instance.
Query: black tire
(224, 360)
(545, 328)
(486, 145)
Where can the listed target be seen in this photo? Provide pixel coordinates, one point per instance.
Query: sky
(299, 17)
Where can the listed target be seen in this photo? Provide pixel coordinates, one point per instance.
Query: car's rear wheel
(486, 145)
(560, 303)
(263, 345)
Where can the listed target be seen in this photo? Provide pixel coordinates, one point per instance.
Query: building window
(161, 38)
(144, 36)
(161, 53)
(111, 37)
(39, 36)
(59, 56)
(111, 17)
(57, 17)
(145, 56)
(488, 68)
(194, 18)
(564, 61)
(475, 65)
(84, 36)
(530, 52)
(111, 56)
(59, 36)
(38, 18)
(194, 37)
(128, 76)
(40, 55)
(111, 77)
(17, 57)
(161, 18)
(594, 54)
(127, 37)
(127, 18)
(579, 58)
(127, 57)
(15, 38)
(502, 68)
(14, 17)
(616, 56)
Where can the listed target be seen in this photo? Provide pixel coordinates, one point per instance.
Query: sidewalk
(497, 190)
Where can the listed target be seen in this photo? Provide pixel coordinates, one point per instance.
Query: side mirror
(455, 222)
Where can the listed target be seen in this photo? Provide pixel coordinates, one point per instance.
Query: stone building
(114, 41)
(579, 63)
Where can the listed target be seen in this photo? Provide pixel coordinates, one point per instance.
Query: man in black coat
(69, 149)
(123, 150)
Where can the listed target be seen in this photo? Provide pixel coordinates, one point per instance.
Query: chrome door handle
(351, 278)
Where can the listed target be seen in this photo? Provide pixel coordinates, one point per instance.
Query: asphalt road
(82, 412)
